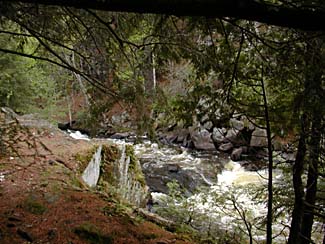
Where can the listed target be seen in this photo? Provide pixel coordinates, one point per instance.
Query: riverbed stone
(182, 135)
(237, 124)
(218, 135)
(226, 147)
(231, 135)
(208, 125)
(173, 168)
(259, 138)
(202, 140)
(236, 154)
(121, 135)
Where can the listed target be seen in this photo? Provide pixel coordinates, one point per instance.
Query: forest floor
(43, 199)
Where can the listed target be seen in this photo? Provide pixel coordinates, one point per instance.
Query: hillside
(43, 200)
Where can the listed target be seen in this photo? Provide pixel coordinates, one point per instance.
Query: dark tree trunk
(281, 15)
(308, 219)
(270, 169)
(298, 169)
(314, 59)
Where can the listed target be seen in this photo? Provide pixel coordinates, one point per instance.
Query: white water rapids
(230, 200)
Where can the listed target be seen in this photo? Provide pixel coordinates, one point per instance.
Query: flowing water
(220, 193)
(217, 193)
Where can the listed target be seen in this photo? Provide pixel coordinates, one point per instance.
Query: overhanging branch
(280, 15)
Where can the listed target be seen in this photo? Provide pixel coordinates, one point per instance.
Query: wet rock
(202, 140)
(259, 138)
(171, 138)
(208, 125)
(236, 154)
(226, 147)
(158, 176)
(231, 135)
(218, 135)
(66, 126)
(120, 135)
(130, 181)
(237, 124)
(289, 157)
(260, 153)
(178, 136)
(173, 168)
(182, 136)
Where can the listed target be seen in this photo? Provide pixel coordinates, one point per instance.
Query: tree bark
(308, 219)
(298, 169)
(270, 168)
(313, 85)
(280, 15)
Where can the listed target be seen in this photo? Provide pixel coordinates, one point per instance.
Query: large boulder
(231, 135)
(201, 139)
(179, 136)
(259, 138)
(158, 176)
(218, 135)
(237, 124)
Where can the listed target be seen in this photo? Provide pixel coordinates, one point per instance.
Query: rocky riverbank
(44, 200)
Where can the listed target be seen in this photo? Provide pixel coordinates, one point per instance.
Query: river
(212, 193)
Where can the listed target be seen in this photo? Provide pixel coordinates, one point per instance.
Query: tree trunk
(308, 219)
(270, 169)
(298, 169)
(313, 85)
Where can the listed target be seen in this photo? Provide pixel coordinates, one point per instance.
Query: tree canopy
(213, 61)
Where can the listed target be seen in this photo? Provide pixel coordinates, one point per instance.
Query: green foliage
(200, 101)
(27, 85)
(118, 209)
(204, 223)
(34, 206)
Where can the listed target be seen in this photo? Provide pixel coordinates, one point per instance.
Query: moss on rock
(134, 166)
